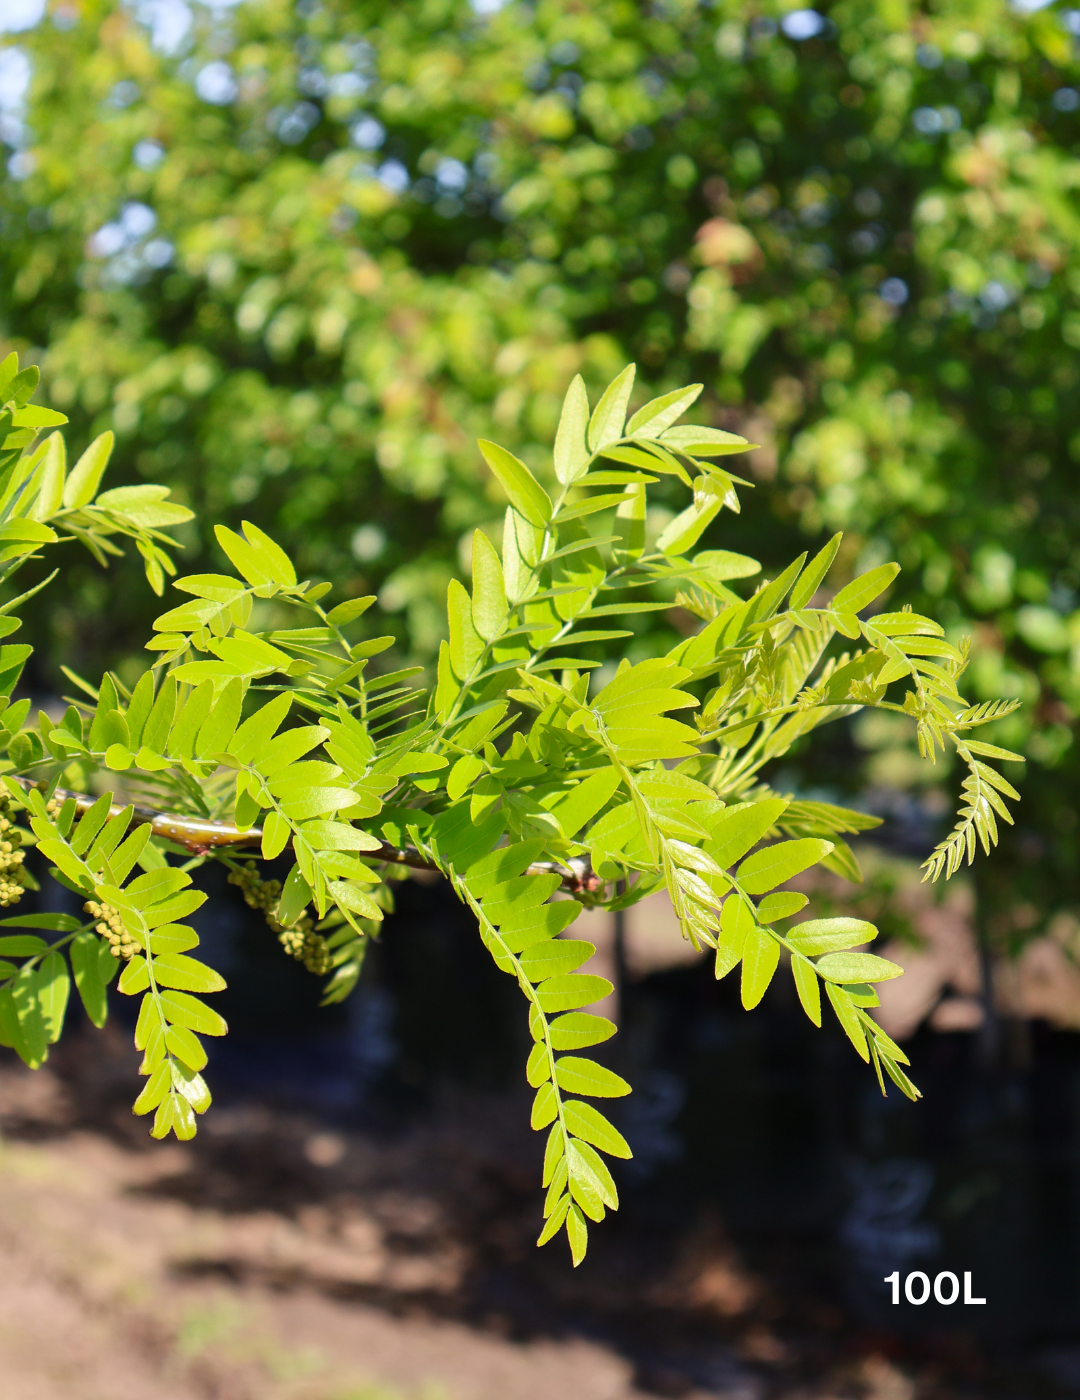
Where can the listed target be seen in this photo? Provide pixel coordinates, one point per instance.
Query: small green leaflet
(816, 936)
(570, 992)
(606, 423)
(812, 577)
(184, 1010)
(553, 957)
(856, 967)
(87, 951)
(571, 449)
(736, 829)
(862, 591)
(489, 591)
(525, 493)
(761, 954)
(806, 984)
(766, 869)
(661, 413)
(580, 1076)
(578, 1029)
(85, 476)
(588, 1123)
(736, 922)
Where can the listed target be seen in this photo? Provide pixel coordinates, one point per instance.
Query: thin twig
(200, 837)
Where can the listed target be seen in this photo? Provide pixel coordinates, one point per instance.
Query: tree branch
(199, 836)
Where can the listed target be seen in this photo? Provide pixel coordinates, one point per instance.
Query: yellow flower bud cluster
(111, 927)
(299, 940)
(12, 856)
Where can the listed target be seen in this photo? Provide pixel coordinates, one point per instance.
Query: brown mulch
(276, 1258)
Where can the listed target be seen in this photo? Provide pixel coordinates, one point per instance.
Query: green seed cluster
(111, 927)
(300, 940)
(12, 856)
(306, 946)
(258, 893)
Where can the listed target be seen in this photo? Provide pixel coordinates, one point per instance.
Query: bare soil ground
(274, 1259)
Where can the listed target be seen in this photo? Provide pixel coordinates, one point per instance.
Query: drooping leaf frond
(265, 725)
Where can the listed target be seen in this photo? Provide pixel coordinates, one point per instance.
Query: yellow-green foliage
(514, 776)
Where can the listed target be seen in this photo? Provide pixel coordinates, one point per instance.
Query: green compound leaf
(508, 779)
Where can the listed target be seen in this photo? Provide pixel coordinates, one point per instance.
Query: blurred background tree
(299, 255)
